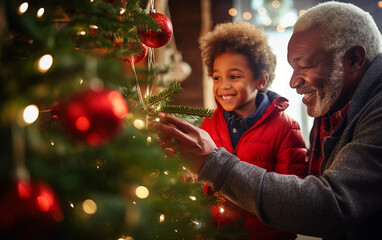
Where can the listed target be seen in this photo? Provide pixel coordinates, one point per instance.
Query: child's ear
(262, 82)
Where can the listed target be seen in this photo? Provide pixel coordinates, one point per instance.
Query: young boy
(249, 120)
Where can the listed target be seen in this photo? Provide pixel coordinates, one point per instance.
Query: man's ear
(355, 58)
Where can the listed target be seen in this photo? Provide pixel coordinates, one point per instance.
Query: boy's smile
(235, 87)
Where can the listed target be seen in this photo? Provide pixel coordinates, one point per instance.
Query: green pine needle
(172, 90)
(187, 111)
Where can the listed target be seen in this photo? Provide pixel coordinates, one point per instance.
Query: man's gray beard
(332, 88)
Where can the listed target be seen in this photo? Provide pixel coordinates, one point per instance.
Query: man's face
(316, 73)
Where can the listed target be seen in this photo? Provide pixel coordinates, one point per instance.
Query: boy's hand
(193, 143)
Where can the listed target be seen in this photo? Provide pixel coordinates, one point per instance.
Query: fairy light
(89, 206)
(23, 8)
(52, 142)
(280, 28)
(161, 218)
(95, 27)
(157, 119)
(122, 11)
(276, 4)
(149, 139)
(30, 114)
(232, 12)
(139, 124)
(82, 33)
(142, 192)
(40, 12)
(81, 81)
(247, 15)
(262, 11)
(302, 11)
(45, 63)
(193, 198)
(71, 204)
(165, 172)
(221, 209)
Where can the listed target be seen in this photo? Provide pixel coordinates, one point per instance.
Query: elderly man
(335, 51)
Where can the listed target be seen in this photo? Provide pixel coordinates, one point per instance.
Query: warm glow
(44, 63)
(221, 209)
(380, 4)
(82, 123)
(247, 15)
(161, 218)
(142, 192)
(262, 10)
(23, 8)
(139, 124)
(266, 20)
(40, 12)
(280, 28)
(275, 4)
(193, 198)
(122, 11)
(149, 139)
(24, 189)
(302, 11)
(30, 114)
(118, 102)
(94, 27)
(89, 206)
(232, 12)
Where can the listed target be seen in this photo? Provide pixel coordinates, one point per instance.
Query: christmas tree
(78, 158)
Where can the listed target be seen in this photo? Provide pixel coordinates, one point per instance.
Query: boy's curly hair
(243, 38)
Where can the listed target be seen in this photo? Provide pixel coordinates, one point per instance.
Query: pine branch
(187, 111)
(172, 90)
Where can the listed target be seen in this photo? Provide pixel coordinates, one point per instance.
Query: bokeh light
(142, 192)
(45, 63)
(89, 206)
(30, 114)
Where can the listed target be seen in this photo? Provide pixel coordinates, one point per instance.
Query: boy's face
(235, 86)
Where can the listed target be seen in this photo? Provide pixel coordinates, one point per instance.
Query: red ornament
(137, 58)
(159, 38)
(29, 211)
(94, 116)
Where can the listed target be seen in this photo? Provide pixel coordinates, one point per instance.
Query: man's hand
(193, 143)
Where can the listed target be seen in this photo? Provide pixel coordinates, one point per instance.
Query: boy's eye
(235, 76)
(216, 78)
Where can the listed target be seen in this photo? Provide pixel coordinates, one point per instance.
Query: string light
(30, 114)
(40, 12)
(89, 206)
(142, 192)
(301, 12)
(232, 12)
(139, 124)
(52, 142)
(276, 4)
(157, 120)
(122, 11)
(247, 15)
(221, 209)
(23, 8)
(193, 198)
(161, 218)
(149, 139)
(262, 11)
(45, 63)
(71, 204)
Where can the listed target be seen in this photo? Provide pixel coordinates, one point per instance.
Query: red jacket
(275, 143)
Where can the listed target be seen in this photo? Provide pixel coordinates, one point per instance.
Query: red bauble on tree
(29, 211)
(92, 116)
(142, 48)
(156, 38)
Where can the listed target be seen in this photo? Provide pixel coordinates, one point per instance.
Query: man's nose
(296, 80)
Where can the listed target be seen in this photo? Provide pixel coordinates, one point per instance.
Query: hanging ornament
(92, 116)
(138, 57)
(156, 38)
(29, 211)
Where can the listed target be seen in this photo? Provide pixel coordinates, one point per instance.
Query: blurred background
(191, 19)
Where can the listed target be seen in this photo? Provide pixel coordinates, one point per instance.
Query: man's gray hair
(344, 26)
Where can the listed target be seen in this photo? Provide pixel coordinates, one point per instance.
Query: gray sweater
(344, 203)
